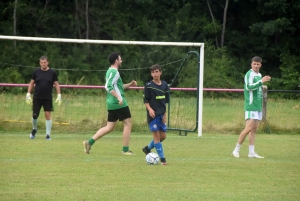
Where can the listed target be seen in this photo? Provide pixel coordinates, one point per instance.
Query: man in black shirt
(43, 78)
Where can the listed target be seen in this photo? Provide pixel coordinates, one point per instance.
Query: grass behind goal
(86, 113)
(198, 169)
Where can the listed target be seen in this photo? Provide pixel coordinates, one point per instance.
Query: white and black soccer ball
(152, 158)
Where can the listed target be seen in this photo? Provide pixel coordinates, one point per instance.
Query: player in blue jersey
(252, 106)
(43, 79)
(156, 96)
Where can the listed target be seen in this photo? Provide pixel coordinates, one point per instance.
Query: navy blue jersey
(157, 96)
(44, 81)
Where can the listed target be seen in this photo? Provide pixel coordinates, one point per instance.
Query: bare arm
(57, 87)
(30, 87)
(151, 111)
(132, 83)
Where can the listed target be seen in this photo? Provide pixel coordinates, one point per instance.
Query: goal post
(147, 43)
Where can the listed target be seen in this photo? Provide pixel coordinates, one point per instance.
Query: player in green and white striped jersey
(116, 103)
(252, 105)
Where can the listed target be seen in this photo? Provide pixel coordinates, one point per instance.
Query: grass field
(198, 168)
(87, 113)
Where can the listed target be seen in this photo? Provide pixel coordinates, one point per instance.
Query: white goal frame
(117, 42)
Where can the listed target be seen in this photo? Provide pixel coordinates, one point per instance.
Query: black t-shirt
(157, 96)
(44, 81)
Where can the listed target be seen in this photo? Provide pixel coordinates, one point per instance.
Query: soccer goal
(180, 89)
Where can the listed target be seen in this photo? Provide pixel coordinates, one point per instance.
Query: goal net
(81, 71)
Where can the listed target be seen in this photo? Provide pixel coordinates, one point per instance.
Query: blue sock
(159, 149)
(151, 145)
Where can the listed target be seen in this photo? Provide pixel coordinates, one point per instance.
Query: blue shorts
(157, 125)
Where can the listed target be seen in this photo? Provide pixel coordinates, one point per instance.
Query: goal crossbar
(114, 42)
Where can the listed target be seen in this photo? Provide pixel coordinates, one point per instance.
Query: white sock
(48, 126)
(237, 147)
(251, 149)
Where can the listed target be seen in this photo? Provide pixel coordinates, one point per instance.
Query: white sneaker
(236, 154)
(254, 155)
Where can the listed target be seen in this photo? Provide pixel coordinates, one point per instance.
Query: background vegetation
(233, 32)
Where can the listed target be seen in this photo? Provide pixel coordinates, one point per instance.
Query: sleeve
(250, 85)
(109, 85)
(55, 77)
(33, 75)
(146, 93)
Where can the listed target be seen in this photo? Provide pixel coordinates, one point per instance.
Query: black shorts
(118, 114)
(39, 103)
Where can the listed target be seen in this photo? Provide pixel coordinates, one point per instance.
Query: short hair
(256, 59)
(44, 58)
(113, 57)
(155, 67)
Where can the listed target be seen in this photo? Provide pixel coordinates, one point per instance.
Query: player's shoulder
(149, 83)
(164, 82)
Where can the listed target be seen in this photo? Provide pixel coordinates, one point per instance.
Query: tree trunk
(40, 18)
(77, 18)
(15, 22)
(87, 21)
(213, 20)
(224, 23)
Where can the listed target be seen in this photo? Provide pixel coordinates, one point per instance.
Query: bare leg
(162, 135)
(126, 131)
(48, 115)
(253, 133)
(110, 126)
(248, 128)
(250, 123)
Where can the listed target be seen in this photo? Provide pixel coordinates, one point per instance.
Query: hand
(28, 99)
(120, 101)
(152, 113)
(266, 78)
(58, 99)
(133, 83)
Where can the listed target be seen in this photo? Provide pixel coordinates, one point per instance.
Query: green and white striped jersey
(114, 82)
(253, 91)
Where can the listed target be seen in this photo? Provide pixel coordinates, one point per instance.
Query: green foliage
(269, 29)
(290, 71)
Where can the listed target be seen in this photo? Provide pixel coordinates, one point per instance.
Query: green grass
(198, 169)
(86, 112)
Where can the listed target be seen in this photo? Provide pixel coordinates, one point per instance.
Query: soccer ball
(152, 158)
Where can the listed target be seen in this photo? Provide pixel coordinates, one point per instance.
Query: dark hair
(113, 57)
(256, 59)
(44, 58)
(155, 67)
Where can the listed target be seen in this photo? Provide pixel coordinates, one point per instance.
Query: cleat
(146, 150)
(254, 155)
(163, 161)
(236, 154)
(128, 153)
(32, 134)
(48, 137)
(87, 147)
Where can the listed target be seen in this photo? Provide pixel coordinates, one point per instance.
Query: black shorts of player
(118, 114)
(39, 103)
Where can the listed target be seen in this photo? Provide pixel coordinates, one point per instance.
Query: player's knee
(35, 116)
